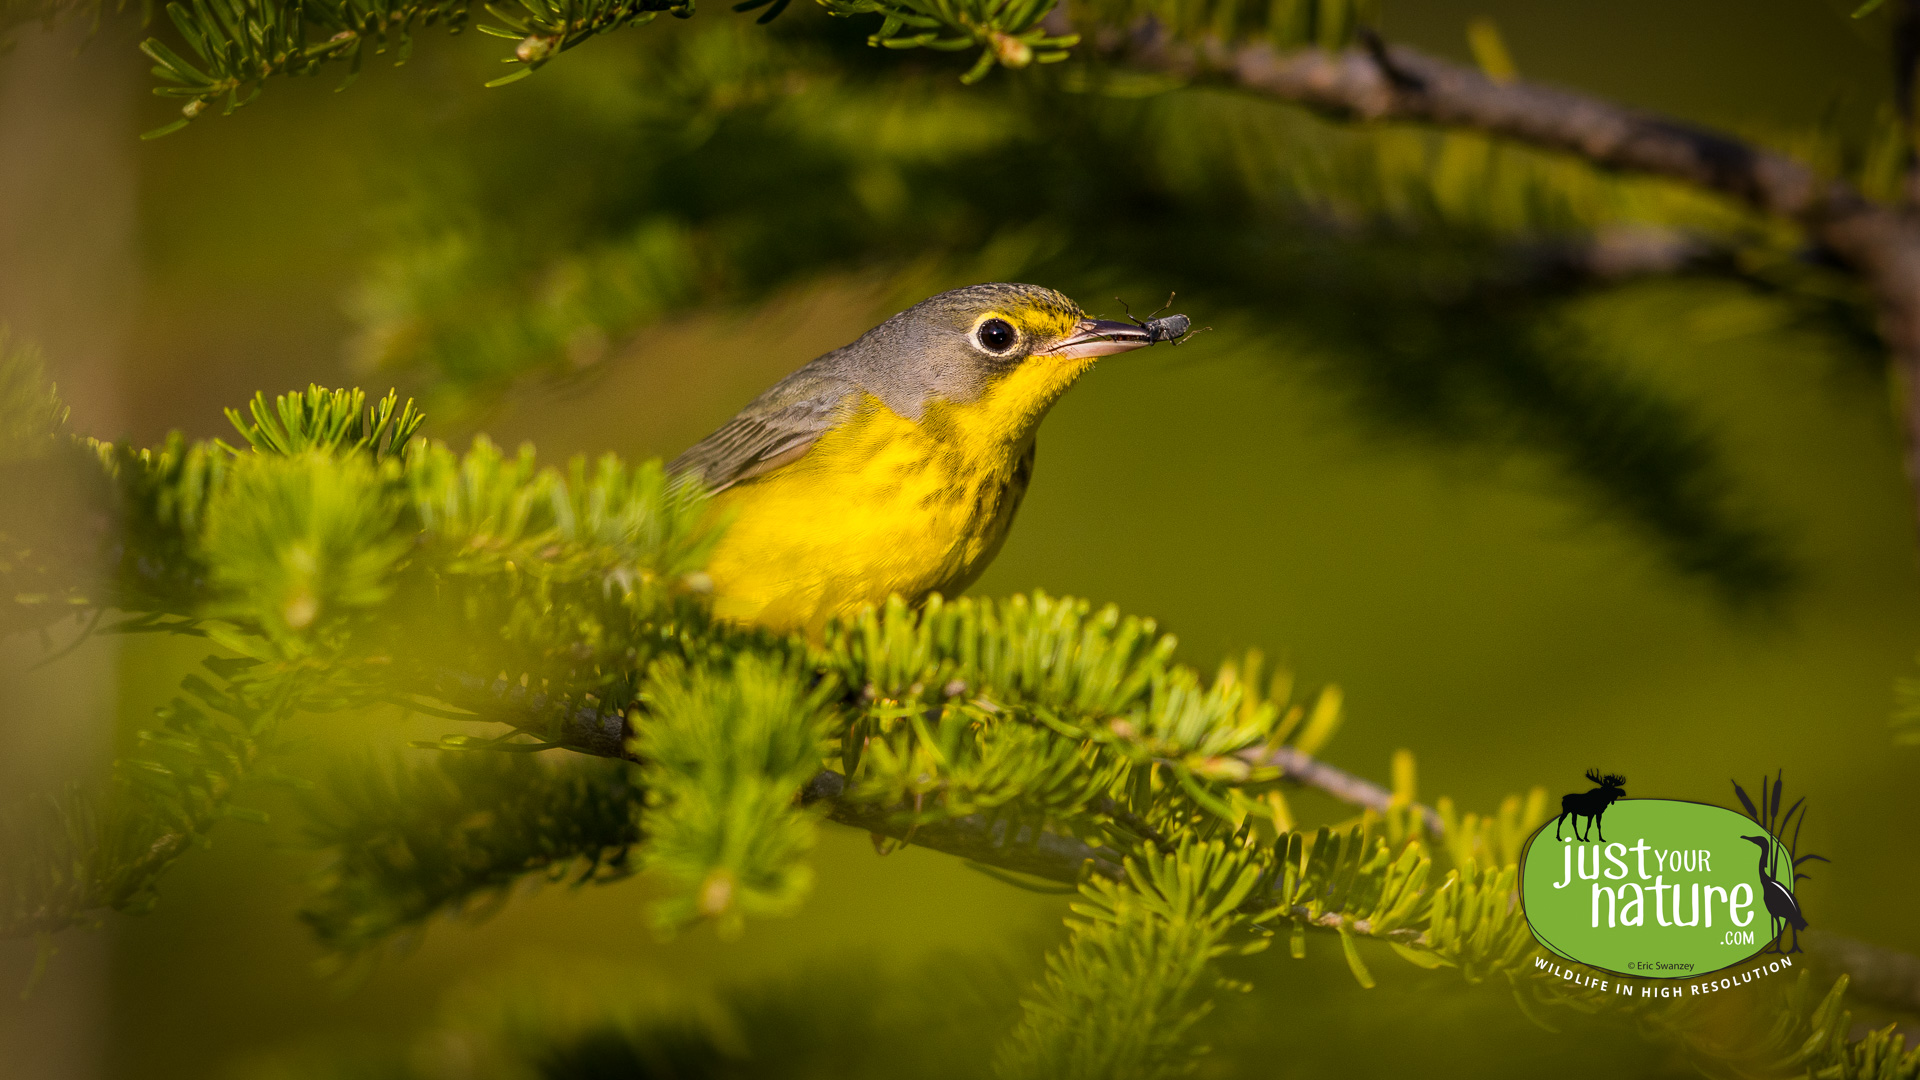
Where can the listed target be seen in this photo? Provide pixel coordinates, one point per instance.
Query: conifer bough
(341, 562)
(1878, 241)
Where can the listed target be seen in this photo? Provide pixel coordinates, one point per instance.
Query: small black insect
(1172, 329)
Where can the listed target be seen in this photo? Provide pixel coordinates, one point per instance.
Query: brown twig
(1353, 790)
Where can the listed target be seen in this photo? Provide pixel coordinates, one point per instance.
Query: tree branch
(1004, 841)
(1353, 790)
(589, 727)
(1878, 243)
(1024, 845)
(593, 728)
(1010, 844)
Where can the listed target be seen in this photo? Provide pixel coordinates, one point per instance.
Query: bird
(895, 464)
(1779, 899)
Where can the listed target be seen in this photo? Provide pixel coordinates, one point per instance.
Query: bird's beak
(1099, 337)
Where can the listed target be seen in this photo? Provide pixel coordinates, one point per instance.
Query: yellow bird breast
(881, 504)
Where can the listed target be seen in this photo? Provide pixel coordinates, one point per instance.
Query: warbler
(894, 464)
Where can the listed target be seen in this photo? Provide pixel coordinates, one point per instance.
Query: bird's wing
(776, 428)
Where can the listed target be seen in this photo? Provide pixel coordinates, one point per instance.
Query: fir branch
(70, 859)
(330, 421)
(1021, 843)
(723, 750)
(546, 28)
(1471, 925)
(454, 833)
(241, 44)
(1009, 33)
(585, 724)
(1023, 846)
(53, 489)
(1037, 735)
(1120, 997)
(1381, 82)
(32, 416)
(1018, 843)
(592, 727)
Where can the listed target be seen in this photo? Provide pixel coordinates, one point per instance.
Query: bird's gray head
(957, 346)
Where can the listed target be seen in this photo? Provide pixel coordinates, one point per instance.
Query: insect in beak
(1101, 337)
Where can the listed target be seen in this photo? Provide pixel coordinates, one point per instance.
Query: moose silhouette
(1590, 805)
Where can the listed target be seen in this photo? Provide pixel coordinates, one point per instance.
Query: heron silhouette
(1781, 905)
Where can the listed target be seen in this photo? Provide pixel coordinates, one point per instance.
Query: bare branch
(1309, 771)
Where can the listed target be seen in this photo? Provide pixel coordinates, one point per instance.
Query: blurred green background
(1476, 601)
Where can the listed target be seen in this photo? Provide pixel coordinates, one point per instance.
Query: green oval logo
(1656, 888)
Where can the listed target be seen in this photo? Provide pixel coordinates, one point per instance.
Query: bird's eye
(995, 335)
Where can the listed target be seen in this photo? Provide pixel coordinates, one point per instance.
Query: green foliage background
(1438, 545)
